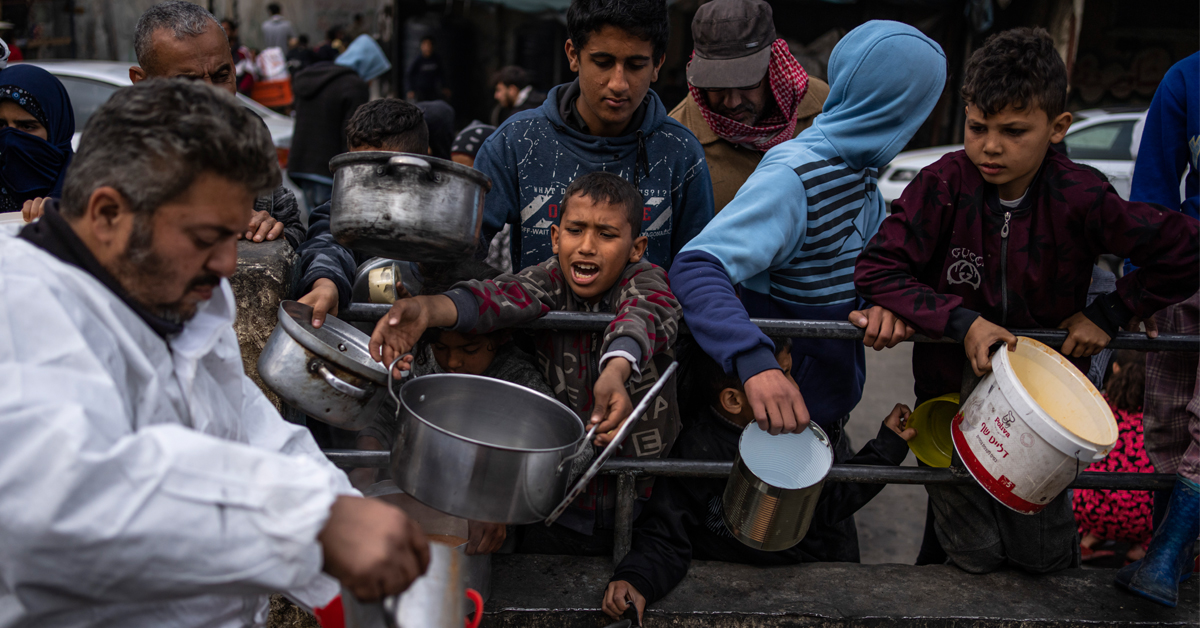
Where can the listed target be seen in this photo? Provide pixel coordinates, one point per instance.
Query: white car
(1100, 138)
(91, 83)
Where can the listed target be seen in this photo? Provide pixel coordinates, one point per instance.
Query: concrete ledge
(262, 280)
(560, 591)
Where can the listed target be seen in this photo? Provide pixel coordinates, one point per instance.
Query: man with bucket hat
(748, 93)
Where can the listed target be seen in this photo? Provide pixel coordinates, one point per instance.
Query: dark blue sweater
(535, 155)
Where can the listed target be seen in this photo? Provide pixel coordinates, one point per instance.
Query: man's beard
(145, 275)
(734, 114)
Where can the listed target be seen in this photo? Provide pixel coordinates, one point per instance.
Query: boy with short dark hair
(598, 267)
(682, 520)
(326, 267)
(1005, 234)
(606, 120)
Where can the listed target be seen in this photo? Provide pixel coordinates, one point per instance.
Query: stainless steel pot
(484, 449)
(327, 373)
(488, 450)
(407, 207)
(774, 486)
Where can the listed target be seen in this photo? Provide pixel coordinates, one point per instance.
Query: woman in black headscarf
(36, 126)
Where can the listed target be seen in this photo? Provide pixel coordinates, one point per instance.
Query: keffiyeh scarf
(788, 82)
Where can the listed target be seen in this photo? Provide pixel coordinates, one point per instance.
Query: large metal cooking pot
(774, 486)
(326, 372)
(488, 450)
(484, 449)
(405, 206)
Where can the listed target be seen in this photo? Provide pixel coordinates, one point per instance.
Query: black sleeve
(846, 498)
(661, 550)
(285, 209)
(322, 257)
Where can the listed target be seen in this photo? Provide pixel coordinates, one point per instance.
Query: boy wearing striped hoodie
(789, 239)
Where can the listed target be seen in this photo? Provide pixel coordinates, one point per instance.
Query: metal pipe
(837, 330)
(623, 535)
(621, 467)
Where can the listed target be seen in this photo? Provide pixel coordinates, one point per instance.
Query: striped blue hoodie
(789, 238)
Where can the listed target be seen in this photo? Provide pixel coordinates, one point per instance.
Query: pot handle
(477, 600)
(587, 438)
(336, 383)
(411, 161)
(614, 444)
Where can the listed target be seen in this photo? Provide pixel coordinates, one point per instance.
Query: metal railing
(628, 470)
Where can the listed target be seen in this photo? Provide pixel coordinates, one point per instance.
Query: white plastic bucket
(1031, 426)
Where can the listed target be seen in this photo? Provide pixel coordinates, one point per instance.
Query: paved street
(890, 527)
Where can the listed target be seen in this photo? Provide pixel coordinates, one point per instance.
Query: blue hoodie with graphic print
(790, 237)
(535, 155)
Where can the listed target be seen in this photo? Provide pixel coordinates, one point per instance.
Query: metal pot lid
(438, 166)
(336, 341)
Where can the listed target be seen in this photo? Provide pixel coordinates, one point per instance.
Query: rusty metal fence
(628, 470)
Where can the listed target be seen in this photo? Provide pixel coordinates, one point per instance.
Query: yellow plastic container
(933, 443)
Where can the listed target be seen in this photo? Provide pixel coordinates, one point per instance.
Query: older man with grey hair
(179, 39)
(146, 481)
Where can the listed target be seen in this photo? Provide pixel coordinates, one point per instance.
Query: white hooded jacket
(143, 482)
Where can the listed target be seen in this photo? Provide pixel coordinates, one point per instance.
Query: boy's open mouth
(584, 273)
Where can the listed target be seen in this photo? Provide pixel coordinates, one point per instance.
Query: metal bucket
(774, 486)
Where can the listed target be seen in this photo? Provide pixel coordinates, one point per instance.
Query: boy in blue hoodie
(608, 119)
(790, 237)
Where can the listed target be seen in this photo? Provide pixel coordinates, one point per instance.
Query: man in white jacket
(144, 479)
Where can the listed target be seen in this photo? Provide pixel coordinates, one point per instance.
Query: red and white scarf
(789, 83)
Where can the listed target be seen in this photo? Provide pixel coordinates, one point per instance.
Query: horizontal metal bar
(837, 330)
(839, 473)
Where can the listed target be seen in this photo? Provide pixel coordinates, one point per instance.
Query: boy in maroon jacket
(1005, 234)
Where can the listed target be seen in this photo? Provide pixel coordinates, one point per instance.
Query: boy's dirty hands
(1084, 338)
(401, 328)
(397, 332)
(614, 600)
(978, 344)
(323, 299)
(778, 406)
(897, 421)
(485, 538)
(884, 329)
(613, 404)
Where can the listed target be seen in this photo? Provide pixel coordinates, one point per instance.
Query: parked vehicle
(1100, 138)
(91, 83)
